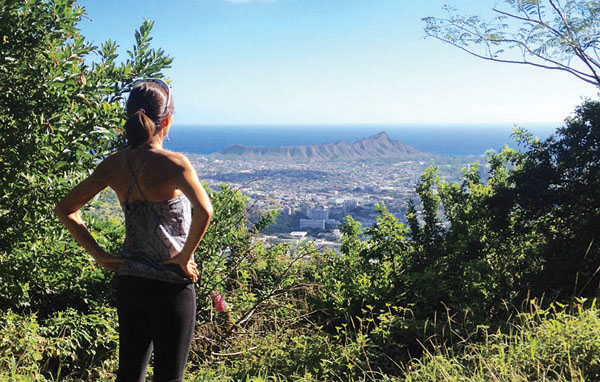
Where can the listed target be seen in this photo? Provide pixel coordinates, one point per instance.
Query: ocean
(454, 140)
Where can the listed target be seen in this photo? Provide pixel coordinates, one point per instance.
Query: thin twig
(236, 353)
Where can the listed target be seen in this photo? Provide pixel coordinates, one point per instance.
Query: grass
(544, 345)
(555, 344)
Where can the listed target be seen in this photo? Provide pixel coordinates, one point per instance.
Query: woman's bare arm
(187, 181)
(67, 210)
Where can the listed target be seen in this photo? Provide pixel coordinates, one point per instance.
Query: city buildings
(316, 196)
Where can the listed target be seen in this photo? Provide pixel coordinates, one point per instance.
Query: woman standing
(158, 190)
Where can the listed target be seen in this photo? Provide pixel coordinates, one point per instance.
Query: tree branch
(573, 37)
(461, 32)
(564, 69)
(559, 65)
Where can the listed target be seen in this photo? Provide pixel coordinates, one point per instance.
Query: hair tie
(141, 110)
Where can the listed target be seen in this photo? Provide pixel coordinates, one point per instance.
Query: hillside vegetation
(490, 281)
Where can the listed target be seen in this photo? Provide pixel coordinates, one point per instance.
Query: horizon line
(391, 124)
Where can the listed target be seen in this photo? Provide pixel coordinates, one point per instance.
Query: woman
(158, 189)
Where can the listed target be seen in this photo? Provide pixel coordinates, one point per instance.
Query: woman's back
(144, 174)
(157, 214)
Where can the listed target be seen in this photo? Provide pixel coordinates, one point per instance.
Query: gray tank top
(154, 232)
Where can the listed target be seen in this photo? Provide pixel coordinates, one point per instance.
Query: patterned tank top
(154, 232)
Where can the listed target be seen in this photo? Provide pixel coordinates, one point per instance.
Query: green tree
(61, 110)
(554, 189)
(545, 208)
(426, 237)
(552, 34)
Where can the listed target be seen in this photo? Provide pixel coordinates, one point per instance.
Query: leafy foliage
(60, 111)
(67, 343)
(551, 34)
(554, 189)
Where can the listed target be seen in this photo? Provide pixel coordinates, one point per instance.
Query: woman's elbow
(62, 212)
(205, 210)
(208, 210)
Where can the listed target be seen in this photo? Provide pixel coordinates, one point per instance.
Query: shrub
(60, 113)
(69, 345)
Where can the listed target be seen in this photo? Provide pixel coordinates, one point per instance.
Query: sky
(330, 62)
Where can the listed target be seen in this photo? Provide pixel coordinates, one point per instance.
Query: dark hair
(147, 106)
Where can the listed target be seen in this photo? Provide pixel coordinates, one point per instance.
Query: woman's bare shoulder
(177, 159)
(110, 163)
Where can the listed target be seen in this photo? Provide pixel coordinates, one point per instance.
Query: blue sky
(330, 62)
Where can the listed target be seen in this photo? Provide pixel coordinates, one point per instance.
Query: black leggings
(154, 314)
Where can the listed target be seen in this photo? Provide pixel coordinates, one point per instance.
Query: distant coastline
(454, 140)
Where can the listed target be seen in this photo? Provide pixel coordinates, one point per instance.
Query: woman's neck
(152, 145)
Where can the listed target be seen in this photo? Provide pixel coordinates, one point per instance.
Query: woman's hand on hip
(186, 263)
(108, 261)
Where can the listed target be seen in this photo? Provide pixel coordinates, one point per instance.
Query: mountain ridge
(378, 145)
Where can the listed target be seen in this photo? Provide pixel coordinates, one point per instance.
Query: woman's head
(148, 106)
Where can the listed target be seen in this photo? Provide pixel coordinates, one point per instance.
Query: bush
(60, 114)
(69, 345)
(297, 354)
